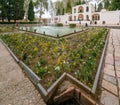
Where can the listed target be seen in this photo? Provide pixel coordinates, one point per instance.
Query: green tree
(100, 6)
(3, 9)
(63, 11)
(41, 6)
(107, 4)
(15, 10)
(18, 10)
(58, 12)
(83, 2)
(69, 8)
(115, 5)
(31, 11)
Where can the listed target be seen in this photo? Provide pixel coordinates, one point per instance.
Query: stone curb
(30, 73)
(96, 80)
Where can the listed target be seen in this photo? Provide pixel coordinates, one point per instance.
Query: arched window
(87, 9)
(81, 17)
(95, 17)
(80, 9)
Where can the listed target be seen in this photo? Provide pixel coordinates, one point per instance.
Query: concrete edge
(54, 86)
(78, 83)
(35, 79)
(96, 80)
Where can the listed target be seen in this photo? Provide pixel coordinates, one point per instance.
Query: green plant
(59, 24)
(72, 25)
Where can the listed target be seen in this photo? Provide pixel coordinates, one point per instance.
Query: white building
(82, 14)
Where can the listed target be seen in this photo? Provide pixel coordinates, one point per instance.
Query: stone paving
(111, 72)
(15, 87)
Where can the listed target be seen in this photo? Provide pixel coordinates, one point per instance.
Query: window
(74, 10)
(87, 9)
(87, 17)
(80, 9)
(74, 18)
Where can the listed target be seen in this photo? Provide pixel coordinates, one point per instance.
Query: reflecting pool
(52, 30)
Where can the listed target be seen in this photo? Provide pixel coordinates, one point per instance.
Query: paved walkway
(15, 87)
(111, 77)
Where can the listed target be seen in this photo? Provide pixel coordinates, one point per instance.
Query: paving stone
(15, 87)
(109, 72)
(109, 61)
(110, 78)
(109, 99)
(119, 83)
(110, 87)
(117, 67)
(117, 62)
(118, 73)
(108, 66)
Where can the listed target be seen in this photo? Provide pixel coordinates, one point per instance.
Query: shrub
(59, 24)
(72, 25)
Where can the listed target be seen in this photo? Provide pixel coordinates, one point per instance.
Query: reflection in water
(52, 30)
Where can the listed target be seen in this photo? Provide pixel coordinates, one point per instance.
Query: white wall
(61, 19)
(89, 13)
(110, 17)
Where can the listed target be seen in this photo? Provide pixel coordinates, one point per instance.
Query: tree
(100, 6)
(31, 11)
(26, 7)
(69, 8)
(107, 4)
(95, 7)
(41, 6)
(3, 9)
(83, 2)
(115, 5)
(18, 9)
(58, 12)
(14, 10)
(63, 11)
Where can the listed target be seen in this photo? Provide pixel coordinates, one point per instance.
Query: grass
(78, 55)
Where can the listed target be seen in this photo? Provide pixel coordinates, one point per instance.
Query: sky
(46, 15)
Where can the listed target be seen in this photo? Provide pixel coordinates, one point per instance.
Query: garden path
(15, 87)
(110, 85)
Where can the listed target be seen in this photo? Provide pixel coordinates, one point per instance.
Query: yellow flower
(36, 49)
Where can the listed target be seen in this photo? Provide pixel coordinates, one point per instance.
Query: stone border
(100, 65)
(47, 94)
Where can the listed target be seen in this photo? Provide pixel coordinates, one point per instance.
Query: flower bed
(78, 55)
(5, 29)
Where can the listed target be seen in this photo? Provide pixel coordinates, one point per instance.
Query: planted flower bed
(5, 29)
(78, 55)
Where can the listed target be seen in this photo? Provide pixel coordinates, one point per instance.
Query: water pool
(52, 30)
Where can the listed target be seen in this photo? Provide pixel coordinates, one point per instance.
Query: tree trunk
(2, 20)
(15, 20)
(9, 20)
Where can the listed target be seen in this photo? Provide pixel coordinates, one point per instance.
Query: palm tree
(41, 6)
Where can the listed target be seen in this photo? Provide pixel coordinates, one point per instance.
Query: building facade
(82, 14)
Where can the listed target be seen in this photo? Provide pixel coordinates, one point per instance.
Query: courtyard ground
(110, 85)
(15, 87)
